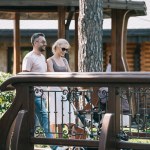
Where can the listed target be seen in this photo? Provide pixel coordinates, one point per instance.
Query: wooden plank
(147, 65)
(130, 62)
(106, 4)
(39, 3)
(130, 55)
(75, 142)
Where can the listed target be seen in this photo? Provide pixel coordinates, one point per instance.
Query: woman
(61, 111)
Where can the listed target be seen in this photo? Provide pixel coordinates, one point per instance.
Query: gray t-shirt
(33, 62)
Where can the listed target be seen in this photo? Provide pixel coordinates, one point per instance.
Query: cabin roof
(47, 9)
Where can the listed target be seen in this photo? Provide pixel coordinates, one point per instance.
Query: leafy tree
(5, 97)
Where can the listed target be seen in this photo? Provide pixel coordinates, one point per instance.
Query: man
(35, 61)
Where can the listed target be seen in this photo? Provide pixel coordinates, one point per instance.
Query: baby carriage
(89, 115)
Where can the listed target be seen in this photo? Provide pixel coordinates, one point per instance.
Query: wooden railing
(17, 124)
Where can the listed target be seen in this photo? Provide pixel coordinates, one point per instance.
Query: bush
(5, 97)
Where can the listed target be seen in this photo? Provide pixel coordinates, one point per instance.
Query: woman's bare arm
(50, 65)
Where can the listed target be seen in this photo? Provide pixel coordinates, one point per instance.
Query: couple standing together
(35, 61)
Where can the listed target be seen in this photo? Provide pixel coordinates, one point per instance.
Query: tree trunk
(90, 56)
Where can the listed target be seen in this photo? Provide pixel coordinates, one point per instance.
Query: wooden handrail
(126, 144)
(85, 78)
(74, 142)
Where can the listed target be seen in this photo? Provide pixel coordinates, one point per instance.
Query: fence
(93, 110)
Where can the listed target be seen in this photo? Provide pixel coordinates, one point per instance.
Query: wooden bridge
(17, 124)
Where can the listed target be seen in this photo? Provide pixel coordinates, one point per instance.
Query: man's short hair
(35, 36)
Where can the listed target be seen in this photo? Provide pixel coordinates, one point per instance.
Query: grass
(140, 141)
(137, 140)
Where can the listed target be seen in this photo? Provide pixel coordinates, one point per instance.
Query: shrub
(5, 97)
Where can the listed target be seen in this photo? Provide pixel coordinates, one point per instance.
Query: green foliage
(5, 97)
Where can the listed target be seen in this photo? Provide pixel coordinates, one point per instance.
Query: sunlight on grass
(140, 140)
(137, 140)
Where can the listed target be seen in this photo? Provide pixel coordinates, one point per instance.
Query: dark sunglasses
(64, 49)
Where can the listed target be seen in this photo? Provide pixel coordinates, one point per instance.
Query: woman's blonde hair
(59, 42)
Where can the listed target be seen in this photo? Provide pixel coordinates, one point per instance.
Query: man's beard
(41, 49)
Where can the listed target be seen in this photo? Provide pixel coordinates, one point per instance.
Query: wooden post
(61, 22)
(76, 41)
(119, 39)
(16, 65)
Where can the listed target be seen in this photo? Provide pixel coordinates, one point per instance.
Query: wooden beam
(16, 65)
(39, 3)
(61, 22)
(8, 6)
(67, 24)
